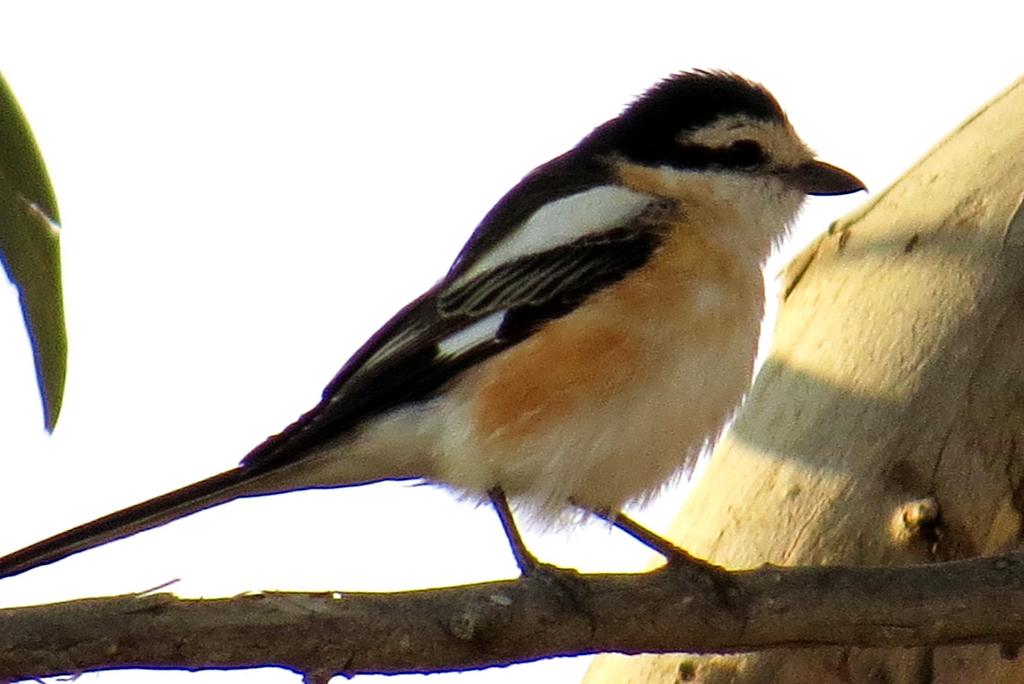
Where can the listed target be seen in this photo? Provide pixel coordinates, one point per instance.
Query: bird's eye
(744, 153)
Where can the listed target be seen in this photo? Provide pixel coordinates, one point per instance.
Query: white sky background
(249, 189)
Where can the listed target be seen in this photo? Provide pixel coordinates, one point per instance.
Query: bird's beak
(818, 178)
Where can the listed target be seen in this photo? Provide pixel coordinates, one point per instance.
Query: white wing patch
(563, 221)
(477, 333)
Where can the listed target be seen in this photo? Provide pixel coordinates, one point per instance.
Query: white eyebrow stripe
(477, 333)
(560, 222)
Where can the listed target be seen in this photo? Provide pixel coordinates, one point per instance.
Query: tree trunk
(887, 425)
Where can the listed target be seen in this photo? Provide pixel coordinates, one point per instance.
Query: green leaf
(30, 249)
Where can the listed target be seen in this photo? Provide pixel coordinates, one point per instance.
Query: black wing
(537, 288)
(407, 359)
(463, 319)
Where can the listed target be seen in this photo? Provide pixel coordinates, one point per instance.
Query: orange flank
(691, 296)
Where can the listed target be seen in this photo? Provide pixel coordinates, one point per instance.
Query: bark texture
(500, 623)
(887, 426)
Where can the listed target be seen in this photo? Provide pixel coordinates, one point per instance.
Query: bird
(591, 338)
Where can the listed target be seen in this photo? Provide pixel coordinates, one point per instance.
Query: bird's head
(717, 123)
(722, 148)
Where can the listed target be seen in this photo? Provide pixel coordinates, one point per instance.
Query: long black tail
(128, 521)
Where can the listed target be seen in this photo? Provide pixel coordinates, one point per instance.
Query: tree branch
(499, 623)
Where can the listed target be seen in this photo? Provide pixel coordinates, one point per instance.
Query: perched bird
(592, 336)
